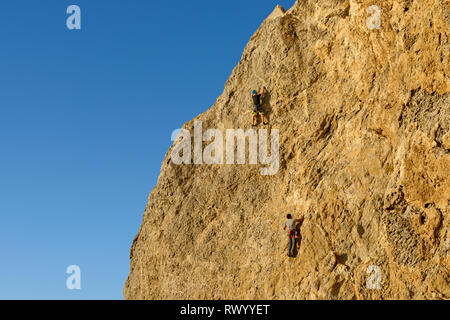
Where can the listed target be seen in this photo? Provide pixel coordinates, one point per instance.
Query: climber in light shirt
(291, 226)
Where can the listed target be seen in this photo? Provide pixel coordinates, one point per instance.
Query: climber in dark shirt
(257, 108)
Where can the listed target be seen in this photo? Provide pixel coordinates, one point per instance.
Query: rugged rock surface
(364, 118)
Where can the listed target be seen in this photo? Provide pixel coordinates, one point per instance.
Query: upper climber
(257, 106)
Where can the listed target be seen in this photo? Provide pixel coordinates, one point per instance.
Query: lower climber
(291, 226)
(257, 106)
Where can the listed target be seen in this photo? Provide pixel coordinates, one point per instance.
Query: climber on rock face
(257, 108)
(291, 225)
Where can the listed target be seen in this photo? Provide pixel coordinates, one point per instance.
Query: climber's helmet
(253, 92)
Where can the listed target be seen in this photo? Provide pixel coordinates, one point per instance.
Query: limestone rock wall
(364, 118)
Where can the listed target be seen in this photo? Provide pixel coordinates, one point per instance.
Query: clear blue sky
(85, 121)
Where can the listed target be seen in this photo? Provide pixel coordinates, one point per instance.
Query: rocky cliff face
(363, 112)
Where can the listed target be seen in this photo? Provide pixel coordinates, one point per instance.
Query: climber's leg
(263, 119)
(254, 119)
(291, 246)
